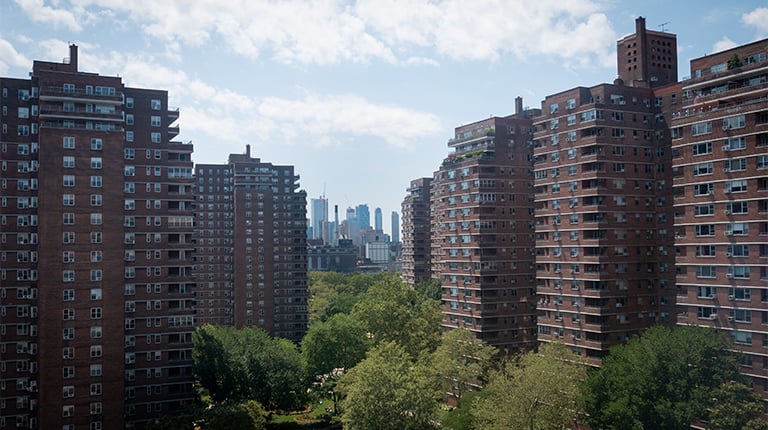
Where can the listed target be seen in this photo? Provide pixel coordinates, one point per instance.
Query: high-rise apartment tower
(251, 246)
(96, 293)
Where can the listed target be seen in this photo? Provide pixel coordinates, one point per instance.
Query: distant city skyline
(363, 100)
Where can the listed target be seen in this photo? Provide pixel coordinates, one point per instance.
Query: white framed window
(68, 161)
(96, 163)
(156, 137)
(96, 276)
(68, 180)
(96, 351)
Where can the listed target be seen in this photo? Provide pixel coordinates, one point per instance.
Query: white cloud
(229, 116)
(10, 57)
(37, 11)
(350, 117)
(723, 44)
(758, 19)
(394, 31)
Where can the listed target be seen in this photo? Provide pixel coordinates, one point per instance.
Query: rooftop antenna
(663, 26)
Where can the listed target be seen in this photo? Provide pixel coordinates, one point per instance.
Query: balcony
(80, 114)
(173, 132)
(471, 136)
(58, 93)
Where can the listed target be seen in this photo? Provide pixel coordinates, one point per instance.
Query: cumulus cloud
(758, 19)
(229, 115)
(393, 31)
(723, 44)
(10, 57)
(37, 11)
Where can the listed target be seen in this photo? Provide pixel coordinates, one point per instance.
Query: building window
(155, 104)
(96, 162)
(95, 351)
(69, 162)
(702, 148)
(96, 144)
(155, 137)
(68, 180)
(155, 121)
(68, 218)
(96, 181)
(705, 230)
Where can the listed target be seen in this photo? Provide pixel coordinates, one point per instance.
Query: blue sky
(361, 96)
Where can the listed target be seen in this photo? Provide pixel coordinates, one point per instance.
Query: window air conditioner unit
(731, 297)
(730, 318)
(728, 254)
(729, 275)
(726, 148)
(729, 233)
(713, 316)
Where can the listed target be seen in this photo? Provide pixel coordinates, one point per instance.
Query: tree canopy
(664, 378)
(392, 311)
(536, 391)
(388, 391)
(461, 362)
(247, 364)
(340, 342)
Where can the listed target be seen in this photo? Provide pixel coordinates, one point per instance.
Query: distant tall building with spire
(319, 208)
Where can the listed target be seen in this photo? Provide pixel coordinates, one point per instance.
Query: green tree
(734, 62)
(286, 379)
(235, 365)
(340, 342)
(211, 363)
(736, 406)
(536, 391)
(248, 415)
(461, 418)
(662, 379)
(388, 391)
(332, 293)
(392, 311)
(429, 289)
(461, 361)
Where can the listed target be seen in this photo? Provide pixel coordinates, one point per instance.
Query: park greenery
(375, 357)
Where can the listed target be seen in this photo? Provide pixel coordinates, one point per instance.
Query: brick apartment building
(604, 218)
(720, 163)
(482, 244)
(96, 287)
(252, 246)
(415, 254)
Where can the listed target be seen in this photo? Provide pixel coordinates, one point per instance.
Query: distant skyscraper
(377, 219)
(395, 227)
(363, 216)
(319, 215)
